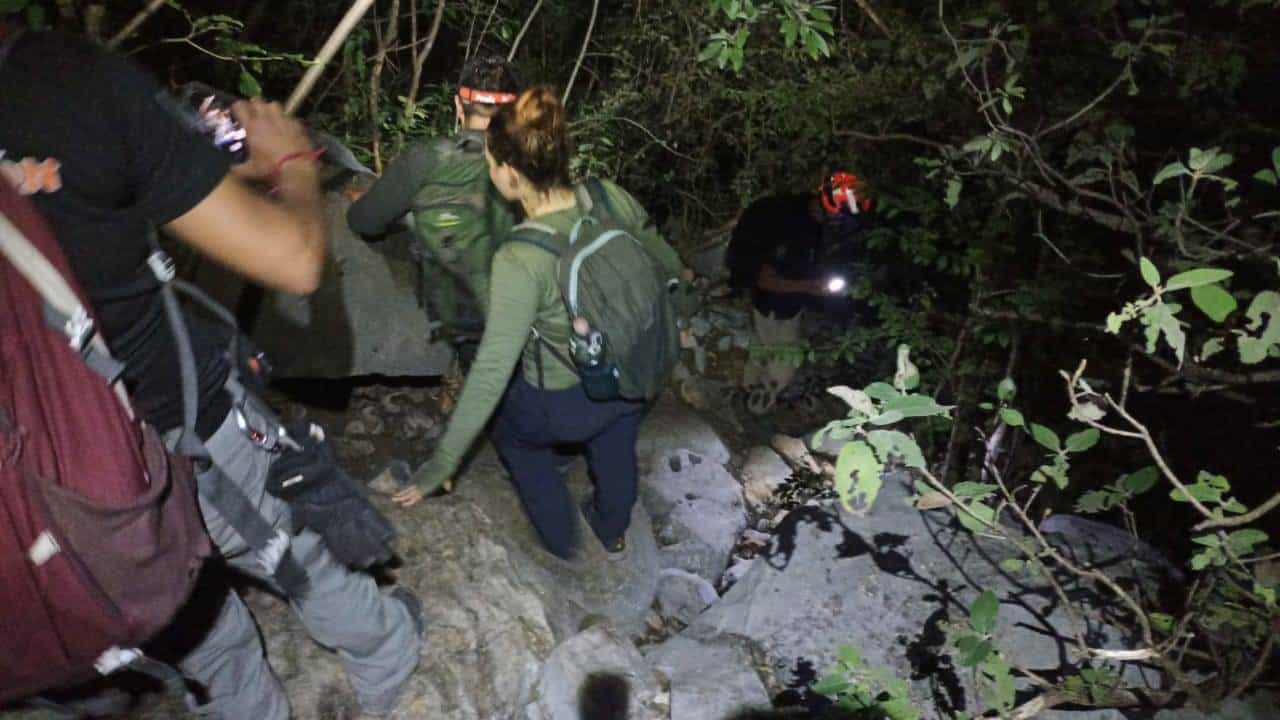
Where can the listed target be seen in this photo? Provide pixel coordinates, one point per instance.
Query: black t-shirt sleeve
(172, 168)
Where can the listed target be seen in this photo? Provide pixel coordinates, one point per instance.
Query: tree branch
(420, 57)
(871, 13)
(1244, 519)
(330, 48)
(568, 88)
(132, 26)
(515, 44)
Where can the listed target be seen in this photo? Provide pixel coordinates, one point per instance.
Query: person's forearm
(391, 195)
(298, 193)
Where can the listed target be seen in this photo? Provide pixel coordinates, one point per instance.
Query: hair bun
(539, 110)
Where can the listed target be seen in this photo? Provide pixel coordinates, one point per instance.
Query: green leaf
(892, 442)
(849, 655)
(882, 391)
(1162, 622)
(1213, 301)
(968, 489)
(982, 615)
(1096, 501)
(1149, 272)
(1256, 349)
(1171, 170)
(1012, 417)
(1006, 390)
(907, 376)
(249, 86)
(1046, 437)
(973, 650)
(1140, 481)
(858, 477)
(1211, 347)
(832, 685)
(1083, 440)
(887, 418)
(916, 406)
(978, 518)
(712, 49)
(1196, 278)
(952, 197)
(1267, 176)
(1243, 542)
(1012, 565)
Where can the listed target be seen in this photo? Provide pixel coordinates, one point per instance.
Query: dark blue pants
(532, 422)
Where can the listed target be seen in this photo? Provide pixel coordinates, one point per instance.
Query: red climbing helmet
(844, 191)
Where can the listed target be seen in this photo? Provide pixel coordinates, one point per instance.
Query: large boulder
(364, 319)
(697, 509)
(886, 583)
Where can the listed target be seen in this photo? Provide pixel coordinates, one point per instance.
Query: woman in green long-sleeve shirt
(527, 149)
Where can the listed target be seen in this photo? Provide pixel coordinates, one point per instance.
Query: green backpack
(459, 219)
(610, 279)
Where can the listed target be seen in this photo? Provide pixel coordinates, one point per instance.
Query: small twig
(871, 13)
(1254, 674)
(136, 22)
(591, 25)
(1244, 519)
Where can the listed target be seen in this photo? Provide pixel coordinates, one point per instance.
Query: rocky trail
(744, 578)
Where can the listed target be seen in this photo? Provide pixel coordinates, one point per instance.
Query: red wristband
(308, 154)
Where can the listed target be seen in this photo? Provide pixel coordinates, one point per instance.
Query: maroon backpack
(100, 536)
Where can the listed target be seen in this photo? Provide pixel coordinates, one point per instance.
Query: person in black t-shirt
(777, 253)
(92, 138)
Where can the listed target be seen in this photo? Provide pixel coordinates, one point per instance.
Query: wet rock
(355, 428)
(683, 595)
(698, 512)
(762, 474)
(417, 425)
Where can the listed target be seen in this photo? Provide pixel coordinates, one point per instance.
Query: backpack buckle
(79, 329)
(162, 266)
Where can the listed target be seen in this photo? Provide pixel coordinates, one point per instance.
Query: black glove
(325, 499)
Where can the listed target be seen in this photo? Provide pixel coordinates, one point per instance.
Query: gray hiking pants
(372, 633)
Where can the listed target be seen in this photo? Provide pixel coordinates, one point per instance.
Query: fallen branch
(330, 48)
(420, 57)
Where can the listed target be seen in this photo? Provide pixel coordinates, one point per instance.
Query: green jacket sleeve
(392, 194)
(514, 298)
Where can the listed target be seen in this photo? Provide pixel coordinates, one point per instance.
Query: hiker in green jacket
(528, 152)
(458, 216)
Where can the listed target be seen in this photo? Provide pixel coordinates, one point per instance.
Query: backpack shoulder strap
(598, 195)
(540, 235)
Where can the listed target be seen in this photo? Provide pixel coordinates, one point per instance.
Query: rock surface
(683, 595)
(364, 319)
(885, 583)
(709, 681)
(1260, 706)
(669, 426)
(697, 510)
(762, 474)
(597, 673)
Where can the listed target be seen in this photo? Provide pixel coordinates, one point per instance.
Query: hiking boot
(615, 550)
